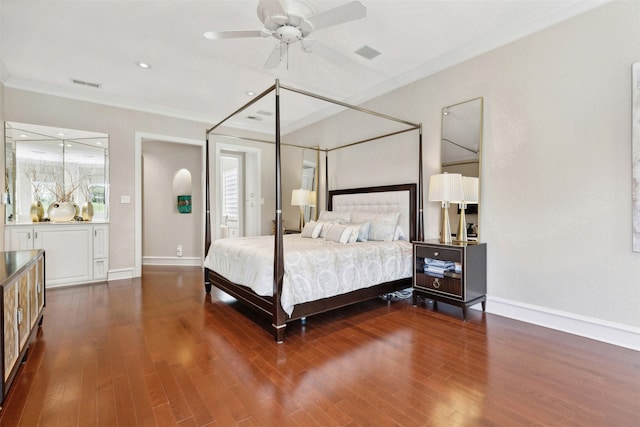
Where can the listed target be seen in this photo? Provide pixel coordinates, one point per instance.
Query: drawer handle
(436, 283)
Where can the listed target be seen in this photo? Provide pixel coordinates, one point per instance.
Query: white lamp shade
(470, 186)
(313, 198)
(469, 190)
(445, 187)
(300, 197)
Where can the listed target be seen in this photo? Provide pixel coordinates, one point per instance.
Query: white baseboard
(166, 260)
(601, 330)
(120, 274)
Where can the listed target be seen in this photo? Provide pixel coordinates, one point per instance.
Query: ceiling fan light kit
(291, 21)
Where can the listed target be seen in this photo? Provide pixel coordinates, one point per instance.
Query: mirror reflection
(55, 174)
(461, 153)
(310, 159)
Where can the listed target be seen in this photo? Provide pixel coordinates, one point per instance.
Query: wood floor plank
(159, 351)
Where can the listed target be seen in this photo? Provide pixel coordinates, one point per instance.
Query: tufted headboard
(388, 198)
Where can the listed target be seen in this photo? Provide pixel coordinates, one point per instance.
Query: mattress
(313, 268)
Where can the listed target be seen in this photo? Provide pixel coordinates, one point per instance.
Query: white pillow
(362, 230)
(324, 228)
(399, 235)
(332, 216)
(383, 226)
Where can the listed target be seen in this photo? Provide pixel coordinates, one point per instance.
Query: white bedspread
(313, 268)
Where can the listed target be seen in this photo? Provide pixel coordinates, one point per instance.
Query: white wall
(163, 227)
(556, 169)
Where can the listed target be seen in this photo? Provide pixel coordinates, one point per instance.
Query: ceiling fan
(292, 21)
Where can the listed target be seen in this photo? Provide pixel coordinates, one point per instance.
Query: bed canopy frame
(417, 229)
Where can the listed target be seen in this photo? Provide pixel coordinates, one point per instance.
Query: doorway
(140, 137)
(237, 196)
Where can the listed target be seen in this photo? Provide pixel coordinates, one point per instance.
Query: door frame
(139, 138)
(251, 179)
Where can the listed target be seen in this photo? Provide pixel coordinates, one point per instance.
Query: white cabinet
(76, 252)
(100, 251)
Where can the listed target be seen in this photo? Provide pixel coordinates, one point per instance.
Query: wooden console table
(22, 278)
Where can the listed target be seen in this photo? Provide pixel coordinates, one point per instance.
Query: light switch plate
(125, 199)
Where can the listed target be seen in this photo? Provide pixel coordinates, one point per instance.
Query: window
(230, 193)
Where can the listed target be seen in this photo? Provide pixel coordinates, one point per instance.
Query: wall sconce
(444, 188)
(302, 198)
(469, 197)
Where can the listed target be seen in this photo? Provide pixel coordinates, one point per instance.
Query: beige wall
(556, 170)
(163, 228)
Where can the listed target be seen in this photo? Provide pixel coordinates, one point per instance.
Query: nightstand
(462, 287)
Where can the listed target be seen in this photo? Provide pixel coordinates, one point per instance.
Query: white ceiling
(44, 44)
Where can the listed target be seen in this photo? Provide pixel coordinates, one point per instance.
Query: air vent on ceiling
(367, 52)
(256, 118)
(85, 83)
(265, 113)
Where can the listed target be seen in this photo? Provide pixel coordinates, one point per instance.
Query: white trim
(120, 274)
(169, 260)
(139, 137)
(251, 179)
(601, 330)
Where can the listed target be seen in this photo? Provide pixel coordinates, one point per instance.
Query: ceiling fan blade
(273, 6)
(273, 11)
(329, 53)
(274, 59)
(234, 34)
(338, 15)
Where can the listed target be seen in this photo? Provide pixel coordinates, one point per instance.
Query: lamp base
(445, 234)
(461, 234)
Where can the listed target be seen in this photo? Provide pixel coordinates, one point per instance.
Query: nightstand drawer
(438, 253)
(447, 285)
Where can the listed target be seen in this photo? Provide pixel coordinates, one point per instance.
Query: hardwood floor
(158, 351)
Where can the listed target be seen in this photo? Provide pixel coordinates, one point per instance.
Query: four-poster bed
(372, 203)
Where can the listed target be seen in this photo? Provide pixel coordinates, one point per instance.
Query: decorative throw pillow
(335, 233)
(308, 230)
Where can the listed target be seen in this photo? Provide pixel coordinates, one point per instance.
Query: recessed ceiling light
(99, 143)
(143, 65)
(22, 135)
(250, 93)
(60, 134)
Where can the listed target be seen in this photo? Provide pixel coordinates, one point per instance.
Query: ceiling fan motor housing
(288, 34)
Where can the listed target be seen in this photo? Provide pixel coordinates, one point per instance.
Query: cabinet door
(24, 326)
(33, 295)
(40, 282)
(100, 241)
(10, 327)
(21, 239)
(68, 250)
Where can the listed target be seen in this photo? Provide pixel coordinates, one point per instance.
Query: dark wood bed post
(207, 213)
(279, 316)
(420, 190)
(326, 178)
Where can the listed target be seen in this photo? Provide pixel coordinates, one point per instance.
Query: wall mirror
(461, 145)
(47, 167)
(310, 161)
